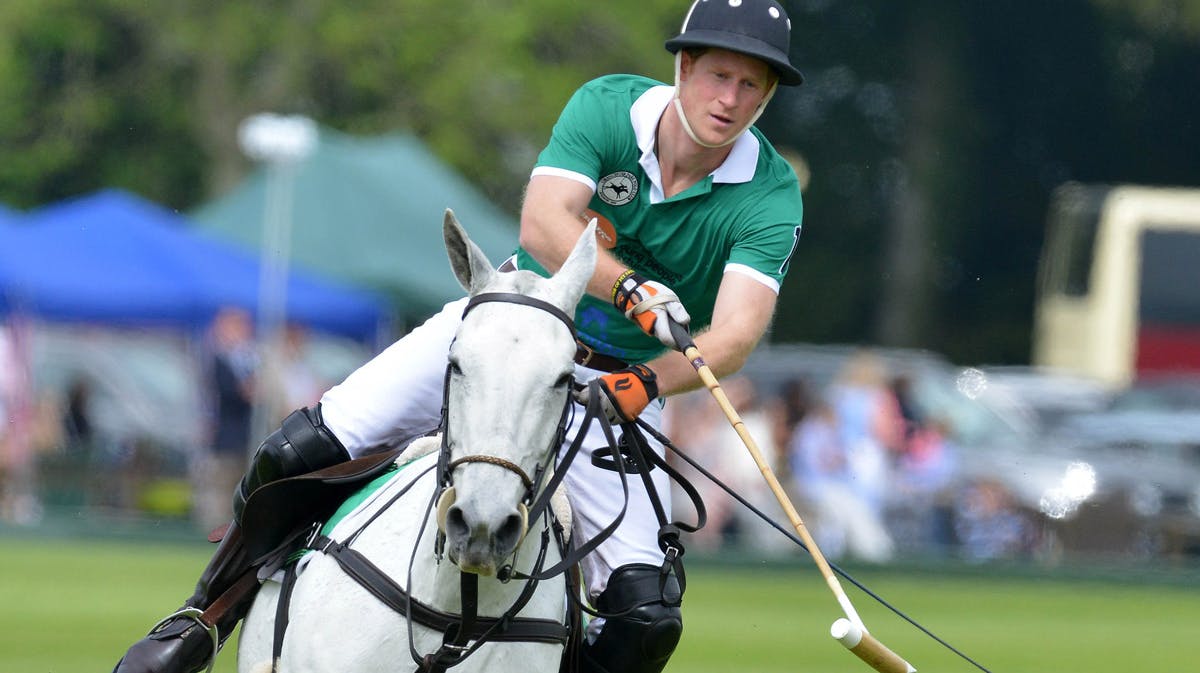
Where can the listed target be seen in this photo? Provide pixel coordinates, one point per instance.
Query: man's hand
(650, 304)
(626, 393)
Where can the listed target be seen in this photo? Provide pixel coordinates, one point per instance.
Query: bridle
(446, 466)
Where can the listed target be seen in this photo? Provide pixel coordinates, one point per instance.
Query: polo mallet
(850, 630)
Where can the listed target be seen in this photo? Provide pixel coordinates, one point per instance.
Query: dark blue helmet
(758, 28)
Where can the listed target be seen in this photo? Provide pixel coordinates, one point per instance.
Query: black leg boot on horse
(186, 641)
(648, 626)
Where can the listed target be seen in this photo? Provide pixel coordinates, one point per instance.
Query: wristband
(616, 288)
(628, 291)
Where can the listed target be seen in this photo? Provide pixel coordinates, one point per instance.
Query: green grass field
(73, 607)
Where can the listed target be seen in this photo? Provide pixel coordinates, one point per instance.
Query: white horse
(509, 379)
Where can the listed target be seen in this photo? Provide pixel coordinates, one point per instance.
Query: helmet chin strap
(678, 105)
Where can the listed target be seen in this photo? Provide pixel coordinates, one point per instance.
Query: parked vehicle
(1043, 397)
(1147, 465)
(1003, 471)
(1160, 393)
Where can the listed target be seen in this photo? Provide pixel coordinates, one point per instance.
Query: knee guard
(643, 636)
(301, 445)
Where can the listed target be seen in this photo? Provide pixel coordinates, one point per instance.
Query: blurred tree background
(932, 132)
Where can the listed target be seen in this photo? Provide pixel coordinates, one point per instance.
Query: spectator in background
(293, 381)
(77, 420)
(298, 384)
(842, 522)
(785, 410)
(840, 458)
(902, 390)
(989, 524)
(869, 424)
(692, 421)
(920, 509)
(19, 502)
(232, 368)
(700, 428)
(77, 441)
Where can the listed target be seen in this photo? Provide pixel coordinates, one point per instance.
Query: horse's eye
(455, 369)
(564, 380)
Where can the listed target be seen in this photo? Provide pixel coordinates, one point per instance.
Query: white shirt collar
(649, 108)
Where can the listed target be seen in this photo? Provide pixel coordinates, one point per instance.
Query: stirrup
(195, 614)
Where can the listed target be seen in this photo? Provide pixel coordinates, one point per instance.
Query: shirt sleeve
(769, 237)
(579, 139)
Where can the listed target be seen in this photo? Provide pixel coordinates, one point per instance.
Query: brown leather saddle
(279, 510)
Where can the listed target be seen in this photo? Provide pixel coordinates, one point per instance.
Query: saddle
(282, 509)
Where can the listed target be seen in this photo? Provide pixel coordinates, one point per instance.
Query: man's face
(721, 91)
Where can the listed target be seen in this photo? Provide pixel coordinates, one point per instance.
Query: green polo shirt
(742, 218)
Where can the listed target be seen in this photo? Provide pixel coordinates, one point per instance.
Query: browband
(514, 298)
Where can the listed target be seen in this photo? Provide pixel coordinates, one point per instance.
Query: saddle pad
(364, 496)
(419, 449)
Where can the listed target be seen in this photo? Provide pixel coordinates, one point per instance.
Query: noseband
(446, 466)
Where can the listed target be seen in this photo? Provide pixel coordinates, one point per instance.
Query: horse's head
(511, 369)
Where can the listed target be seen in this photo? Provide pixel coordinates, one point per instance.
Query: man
(695, 209)
(232, 378)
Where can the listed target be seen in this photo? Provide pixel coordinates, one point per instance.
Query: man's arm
(740, 318)
(551, 224)
(742, 313)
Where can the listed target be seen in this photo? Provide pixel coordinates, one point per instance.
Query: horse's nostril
(510, 532)
(456, 523)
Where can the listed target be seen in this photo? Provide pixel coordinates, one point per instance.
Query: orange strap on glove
(626, 392)
(650, 304)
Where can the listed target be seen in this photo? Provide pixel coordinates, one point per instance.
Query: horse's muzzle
(479, 539)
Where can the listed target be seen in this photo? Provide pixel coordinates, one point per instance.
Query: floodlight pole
(280, 143)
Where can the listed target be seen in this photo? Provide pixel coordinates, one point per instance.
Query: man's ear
(686, 63)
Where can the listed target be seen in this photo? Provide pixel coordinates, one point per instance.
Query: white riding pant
(397, 397)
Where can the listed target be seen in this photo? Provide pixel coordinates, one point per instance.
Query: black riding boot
(183, 643)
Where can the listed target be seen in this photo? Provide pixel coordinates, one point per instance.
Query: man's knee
(648, 625)
(301, 445)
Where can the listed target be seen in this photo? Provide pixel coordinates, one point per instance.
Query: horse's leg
(258, 631)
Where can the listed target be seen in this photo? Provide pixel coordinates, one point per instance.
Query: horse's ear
(579, 266)
(470, 265)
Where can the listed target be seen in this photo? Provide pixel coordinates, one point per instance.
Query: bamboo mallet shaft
(851, 632)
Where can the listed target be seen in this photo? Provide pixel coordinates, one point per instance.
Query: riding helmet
(758, 28)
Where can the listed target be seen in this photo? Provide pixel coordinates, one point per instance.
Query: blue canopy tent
(113, 258)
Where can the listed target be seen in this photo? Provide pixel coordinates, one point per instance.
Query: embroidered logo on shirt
(617, 189)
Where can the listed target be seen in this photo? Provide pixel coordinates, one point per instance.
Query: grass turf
(73, 607)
